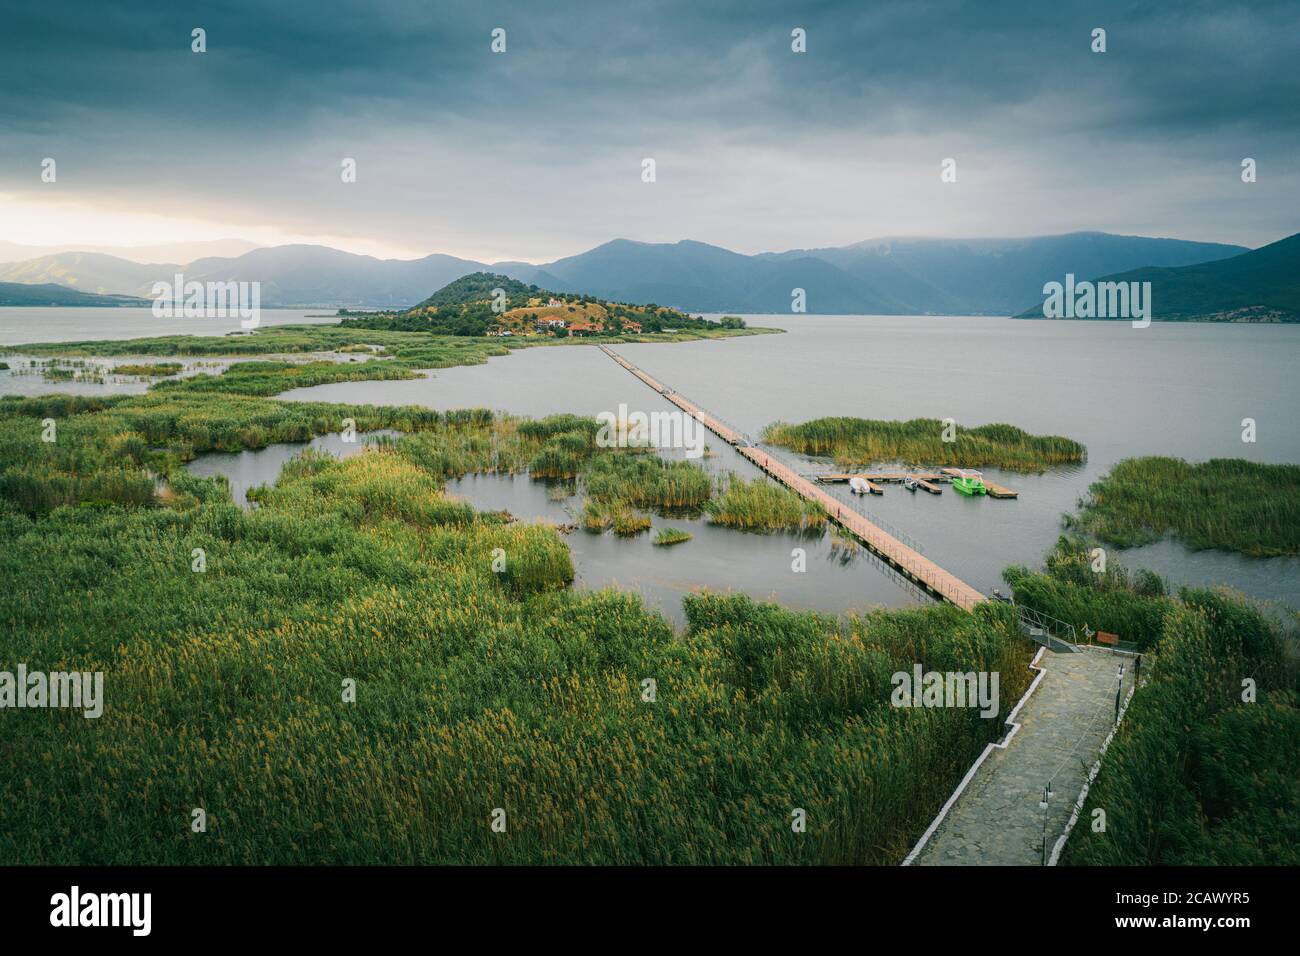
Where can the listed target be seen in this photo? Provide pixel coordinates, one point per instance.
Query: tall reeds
(855, 442)
(762, 505)
(1226, 503)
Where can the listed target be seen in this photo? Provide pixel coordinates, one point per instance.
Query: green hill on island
(484, 303)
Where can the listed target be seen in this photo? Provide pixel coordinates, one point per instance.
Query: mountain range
(162, 252)
(879, 276)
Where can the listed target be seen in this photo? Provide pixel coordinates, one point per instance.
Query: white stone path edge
(1087, 784)
(970, 774)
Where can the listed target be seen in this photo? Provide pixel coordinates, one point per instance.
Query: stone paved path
(997, 820)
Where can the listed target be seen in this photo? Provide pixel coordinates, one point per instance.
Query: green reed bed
(1225, 503)
(1132, 606)
(854, 442)
(412, 349)
(648, 481)
(148, 369)
(670, 536)
(762, 505)
(616, 514)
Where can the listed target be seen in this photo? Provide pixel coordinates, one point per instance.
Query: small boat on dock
(911, 484)
(861, 486)
(969, 483)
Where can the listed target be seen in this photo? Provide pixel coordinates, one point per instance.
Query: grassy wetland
(482, 680)
(854, 442)
(409, 349)
(1229, 504)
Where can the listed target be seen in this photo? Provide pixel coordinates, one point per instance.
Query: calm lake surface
(19, 326)
(1176, 389)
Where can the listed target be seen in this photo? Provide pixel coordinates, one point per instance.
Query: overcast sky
(536, 153)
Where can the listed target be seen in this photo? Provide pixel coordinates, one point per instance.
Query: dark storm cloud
(116, 88)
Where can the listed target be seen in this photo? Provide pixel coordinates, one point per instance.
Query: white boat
(859, 486)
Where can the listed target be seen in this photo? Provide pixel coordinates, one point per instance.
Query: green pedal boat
(969, 483)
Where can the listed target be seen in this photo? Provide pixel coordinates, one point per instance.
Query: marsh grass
(853, 442)
(148, 370)
(478, 685)
(1226, 503)
(648, 481)
(602, 515)
(669, 536)
(762, 505)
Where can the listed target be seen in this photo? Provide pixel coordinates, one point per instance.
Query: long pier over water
(905, 559)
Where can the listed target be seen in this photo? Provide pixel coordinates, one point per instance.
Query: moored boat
(969, 483)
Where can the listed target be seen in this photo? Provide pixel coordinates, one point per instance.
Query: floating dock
(903, 558)
(877, 476)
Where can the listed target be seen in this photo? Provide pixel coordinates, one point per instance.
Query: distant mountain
(23, 294)
(91, 272)
(296, 275)
(702, 278)
(994, 276)
(163, 252)
(890, 276)
(1262, 285)
(303, 275)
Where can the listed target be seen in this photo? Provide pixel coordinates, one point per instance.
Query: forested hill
(1262, 285)
(465, 307)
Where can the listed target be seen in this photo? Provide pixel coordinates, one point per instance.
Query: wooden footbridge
(905, 559)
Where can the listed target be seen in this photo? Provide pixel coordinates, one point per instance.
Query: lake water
(22, 326)
(28, 326)
(1175, 389)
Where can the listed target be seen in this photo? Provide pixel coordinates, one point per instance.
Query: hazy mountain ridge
(880, 276)
(160, 252)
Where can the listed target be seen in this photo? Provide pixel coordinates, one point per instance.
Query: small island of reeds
(667, 536)
(854, 442)
(148, 369)
(1226, 503)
